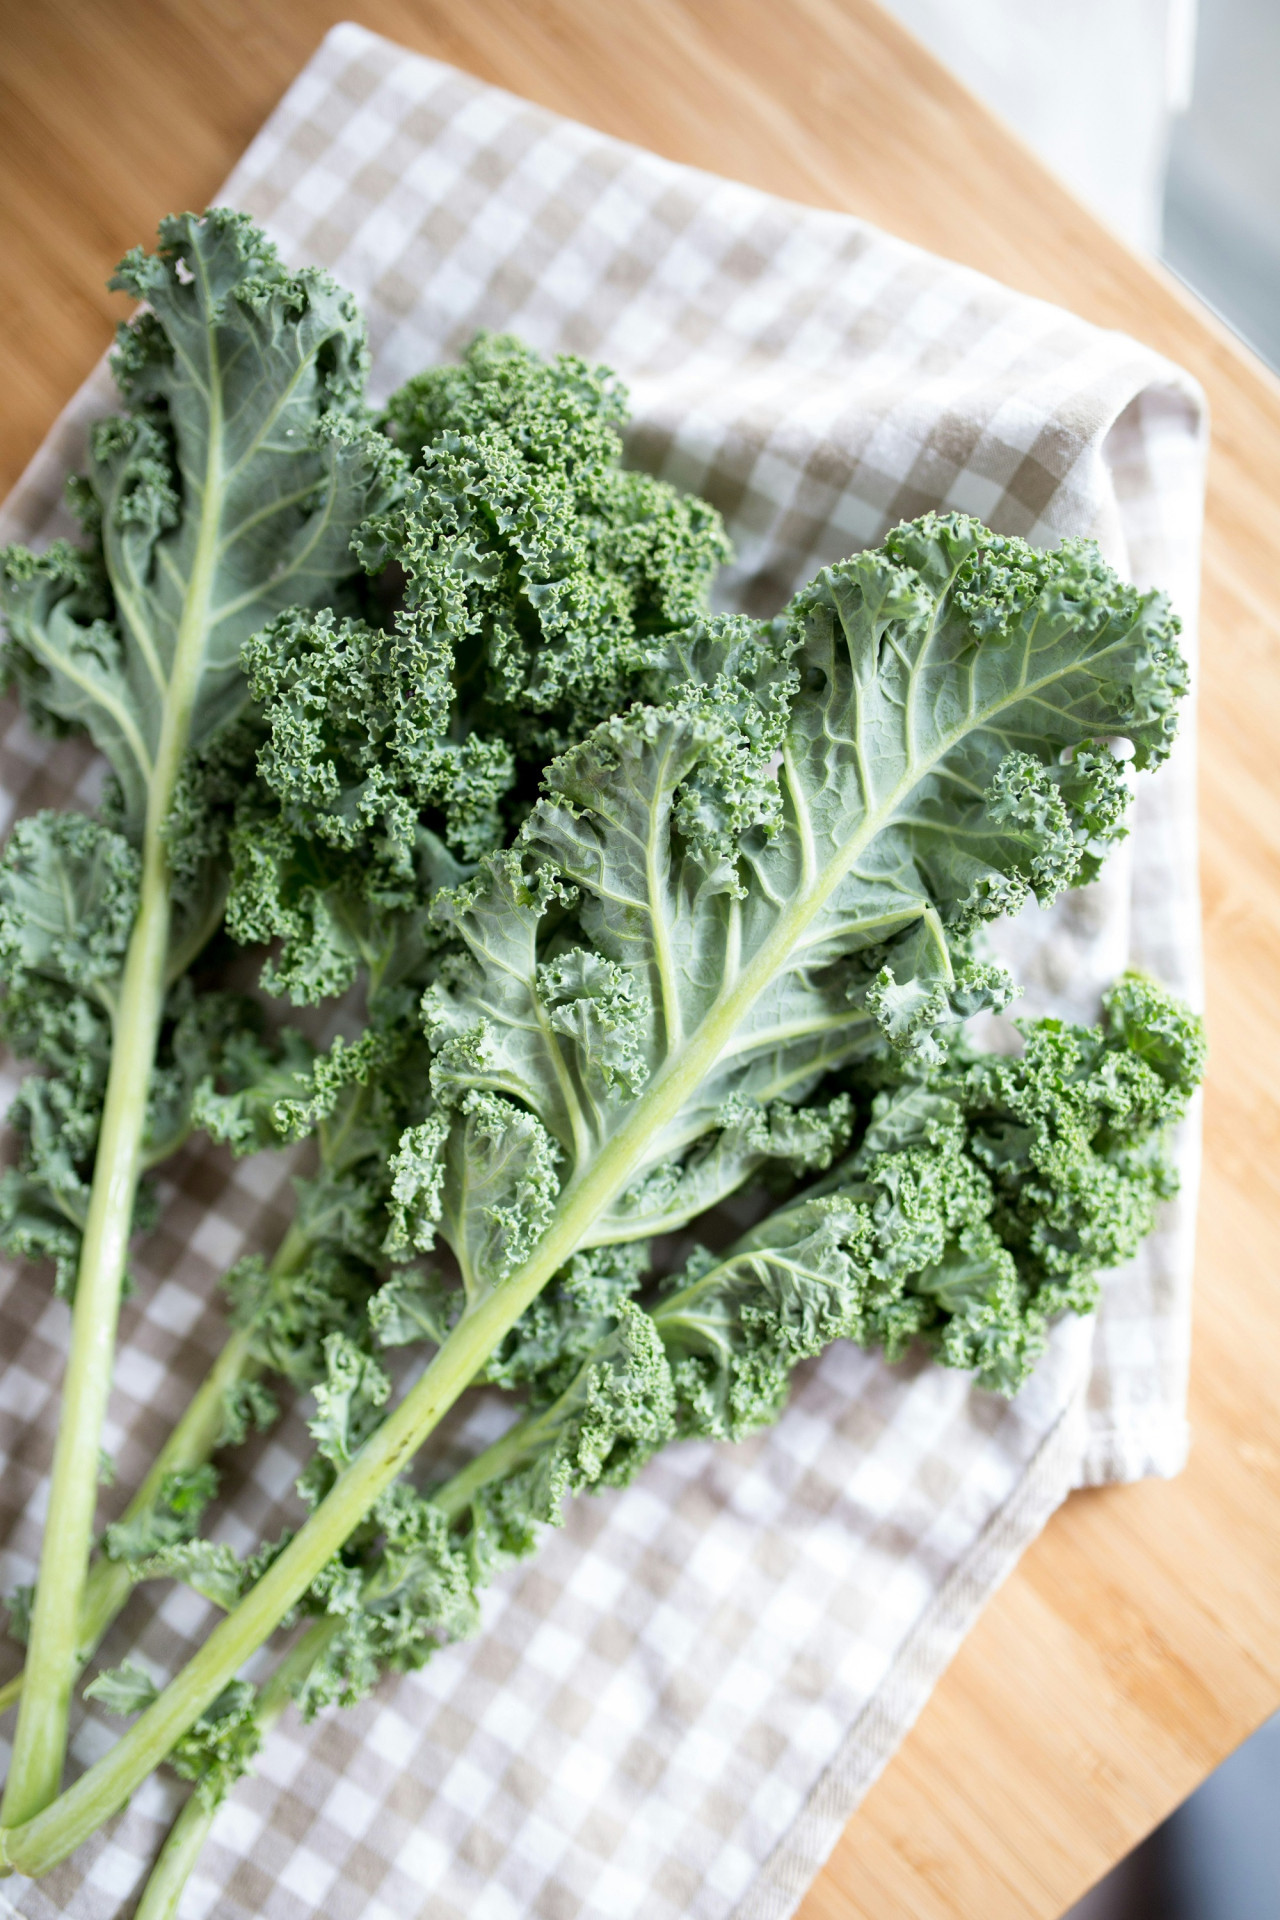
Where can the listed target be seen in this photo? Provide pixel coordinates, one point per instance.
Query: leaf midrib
(586, 1195)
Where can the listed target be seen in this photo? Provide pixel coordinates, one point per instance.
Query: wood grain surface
(1139, 1641)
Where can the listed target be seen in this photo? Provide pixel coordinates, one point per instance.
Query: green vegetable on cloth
(734, 940)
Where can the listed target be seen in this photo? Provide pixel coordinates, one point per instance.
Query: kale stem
(187, 1835)
(40, 1740)
(168, 1878)
(41, 1737)
(57, 1830)
(192, 1441)
(186, 1838)
(51, 1834)
(195, 1437)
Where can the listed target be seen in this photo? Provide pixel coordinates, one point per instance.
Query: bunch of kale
(657, 921)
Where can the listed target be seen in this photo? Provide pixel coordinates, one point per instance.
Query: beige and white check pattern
(675, 1707)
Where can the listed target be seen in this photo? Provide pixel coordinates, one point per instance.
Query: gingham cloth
(673, 1709)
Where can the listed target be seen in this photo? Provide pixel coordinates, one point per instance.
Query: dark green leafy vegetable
(907, 1239)
(348, 912)
(228, 489)
(726, 962)
(540, 579)
(720, 903)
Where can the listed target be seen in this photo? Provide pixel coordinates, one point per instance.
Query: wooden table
(1139, 1641)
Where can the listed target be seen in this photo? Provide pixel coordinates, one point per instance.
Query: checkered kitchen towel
(672, 1710)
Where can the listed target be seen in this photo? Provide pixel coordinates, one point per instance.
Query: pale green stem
(40, 1741)
(190, 1830)
(56, 1831)
(187, 1835)
(195, 1437)
(41, 1737)
(192, 1441)
(50, 1835)
(168, 1878)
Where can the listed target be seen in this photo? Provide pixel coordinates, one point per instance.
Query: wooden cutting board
(1139, 1641)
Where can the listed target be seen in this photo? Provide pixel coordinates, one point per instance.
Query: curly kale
(985, 1197)
(549, 567)
(910, 1238)
(540, 580)
(727, 954)
(1072, 1136)
(68, 895)
(666, 922)
(335, 878)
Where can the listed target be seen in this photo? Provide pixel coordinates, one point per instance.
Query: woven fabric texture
(675, 1706)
